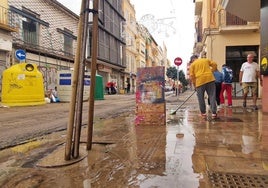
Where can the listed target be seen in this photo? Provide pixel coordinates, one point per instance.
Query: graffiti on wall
(50, 76)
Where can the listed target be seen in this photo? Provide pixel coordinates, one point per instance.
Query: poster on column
(150, 96)
(264, 38)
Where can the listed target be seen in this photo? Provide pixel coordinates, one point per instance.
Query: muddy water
(124, 155)
(146, 156)
(180, 154)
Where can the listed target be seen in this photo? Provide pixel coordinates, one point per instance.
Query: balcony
(198, 7)
(35, 35)
(246, 9)
(6, 23)
(231, 23)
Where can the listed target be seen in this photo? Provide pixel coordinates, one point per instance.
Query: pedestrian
(248, 77)
(226, 86)
(108, 88)
(128, 87)
(218, 81)
(55, 91)
(173, 87)
(203, 80)
(180, 88)
(53, 95)
(113, 87)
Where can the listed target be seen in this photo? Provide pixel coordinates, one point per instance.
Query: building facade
(141, 46)
(142, 49)
(6, 29)
(111, 59)
(47, 43)
(130, 35)
(224, 37)
(33, 26)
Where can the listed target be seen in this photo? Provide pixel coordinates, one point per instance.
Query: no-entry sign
(178, 61)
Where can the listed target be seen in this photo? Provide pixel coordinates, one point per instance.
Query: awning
(248, 10)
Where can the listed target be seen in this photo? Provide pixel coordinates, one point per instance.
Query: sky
(170, 22)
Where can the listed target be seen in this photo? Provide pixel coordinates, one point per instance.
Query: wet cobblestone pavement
(190, 151)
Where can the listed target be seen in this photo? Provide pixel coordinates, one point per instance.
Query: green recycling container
(99, 93)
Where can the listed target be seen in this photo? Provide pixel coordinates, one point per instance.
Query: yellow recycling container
(22, 85)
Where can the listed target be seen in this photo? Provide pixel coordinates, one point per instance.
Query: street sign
(20, 55)
(178, 61)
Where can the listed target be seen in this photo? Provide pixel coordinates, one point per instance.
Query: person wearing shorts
(248, 79)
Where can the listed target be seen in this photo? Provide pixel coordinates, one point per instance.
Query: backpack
(227, 75)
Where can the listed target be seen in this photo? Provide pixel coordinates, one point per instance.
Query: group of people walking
(111, 88)
(206, 78)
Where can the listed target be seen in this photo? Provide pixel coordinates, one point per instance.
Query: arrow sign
(20, 55)
(178, 61)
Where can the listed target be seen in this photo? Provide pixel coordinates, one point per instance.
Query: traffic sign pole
(178, 77)
(178, 62)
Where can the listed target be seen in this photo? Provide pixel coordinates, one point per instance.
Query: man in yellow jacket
(201, 75)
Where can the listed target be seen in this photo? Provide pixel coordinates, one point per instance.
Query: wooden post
(93, 72)
(77, 64)
(80, 92)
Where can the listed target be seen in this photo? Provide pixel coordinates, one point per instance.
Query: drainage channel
(232, 180)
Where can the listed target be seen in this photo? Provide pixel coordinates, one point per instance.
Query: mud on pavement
(188, 152)
(120, 153)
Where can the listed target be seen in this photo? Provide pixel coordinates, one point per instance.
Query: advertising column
(264, 53)
(150, 96)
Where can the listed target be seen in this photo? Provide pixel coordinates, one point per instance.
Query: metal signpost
(178, 62)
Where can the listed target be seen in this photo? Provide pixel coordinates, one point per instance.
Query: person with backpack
(218, 82)
(226, 86)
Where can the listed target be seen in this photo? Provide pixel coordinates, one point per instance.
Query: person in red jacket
(227, 73)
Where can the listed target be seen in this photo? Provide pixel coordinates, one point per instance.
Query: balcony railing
(6, 21)
(230, 22)
(234, 20)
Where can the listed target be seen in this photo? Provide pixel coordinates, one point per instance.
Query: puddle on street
(179, 154)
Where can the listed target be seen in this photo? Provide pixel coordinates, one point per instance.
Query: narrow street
(188, 152)
(19, 124)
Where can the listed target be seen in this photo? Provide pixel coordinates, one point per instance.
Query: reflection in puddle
(171, 153)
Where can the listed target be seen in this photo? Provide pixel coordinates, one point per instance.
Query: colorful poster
(150, 96)
(264, 38)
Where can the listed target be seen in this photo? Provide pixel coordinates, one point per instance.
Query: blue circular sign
(20, 55)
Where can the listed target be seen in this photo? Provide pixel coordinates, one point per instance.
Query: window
(68, 45)
(143, 48)
(68, 39)
(29, 31)
(30, 24)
